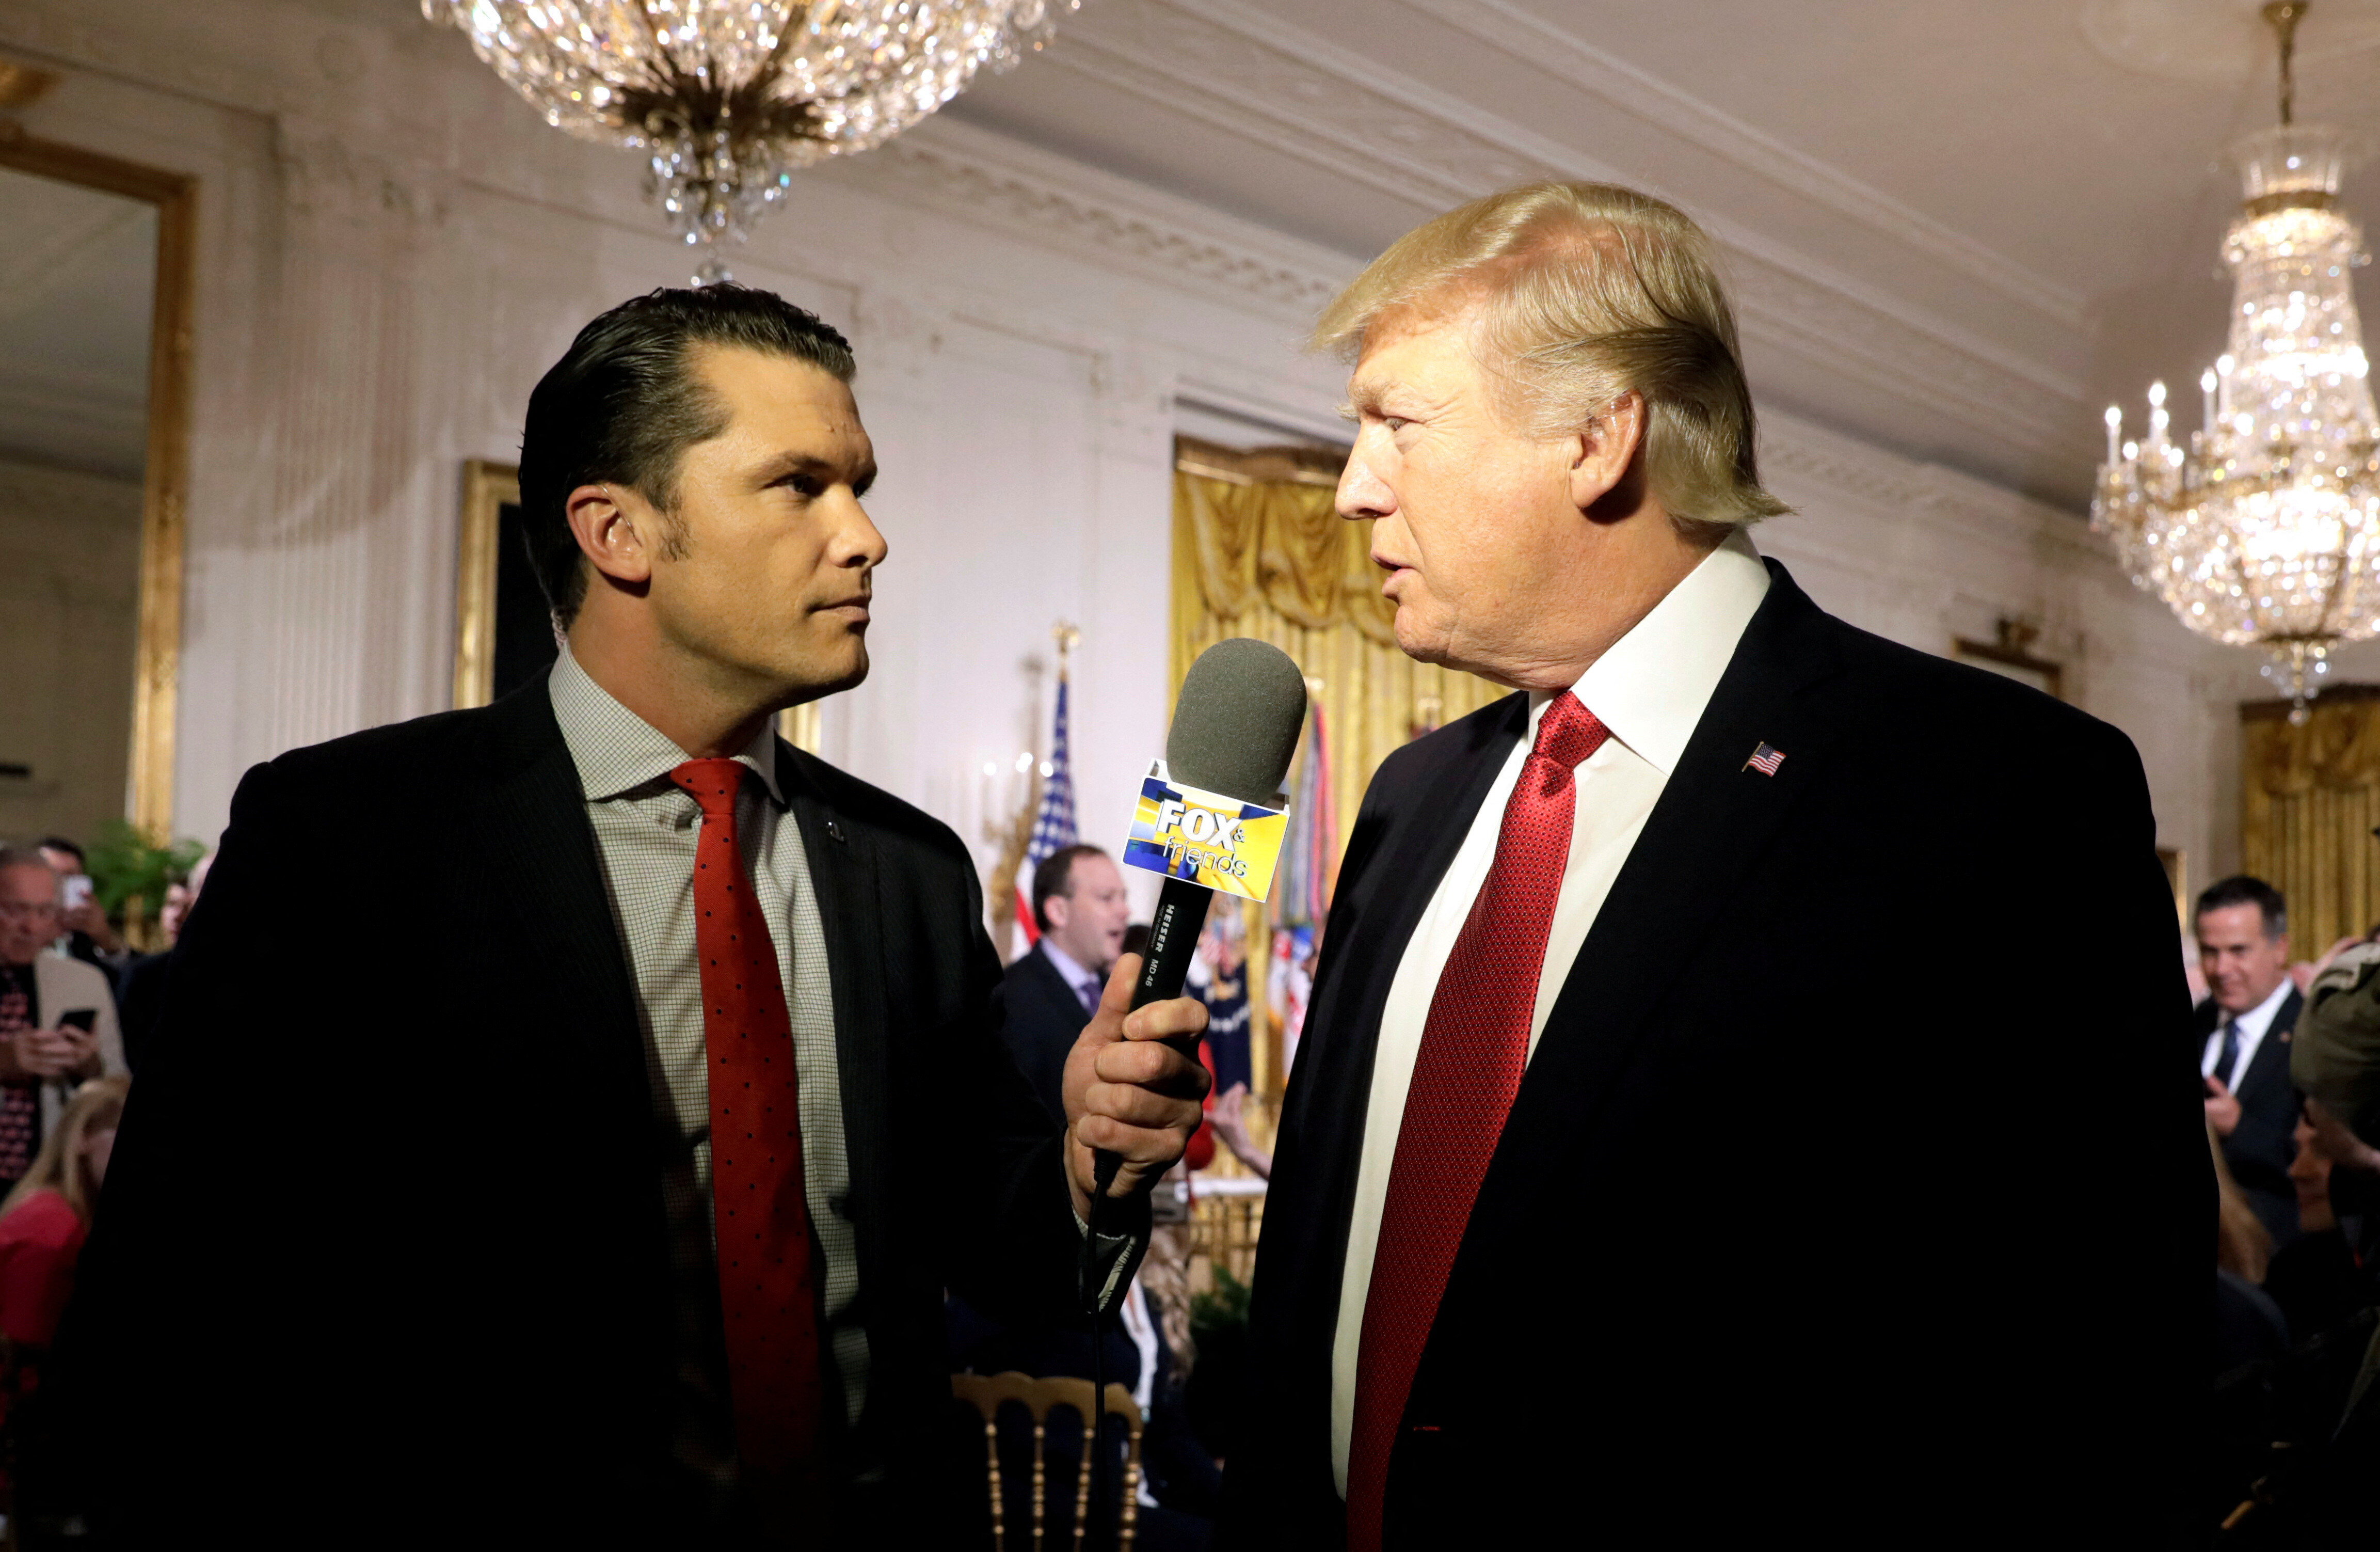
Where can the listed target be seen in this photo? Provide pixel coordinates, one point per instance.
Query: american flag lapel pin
(1764, 759)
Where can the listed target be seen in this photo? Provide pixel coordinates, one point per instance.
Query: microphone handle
(1172, 941)
(1173, 944)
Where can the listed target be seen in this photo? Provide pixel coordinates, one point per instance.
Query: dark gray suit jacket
(1771, 1239)
(383, 1240)
(1041, 1019)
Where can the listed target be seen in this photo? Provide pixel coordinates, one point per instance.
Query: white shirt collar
(1651, 687)
(1076, 976)
(2257, 1019)
(616, 750)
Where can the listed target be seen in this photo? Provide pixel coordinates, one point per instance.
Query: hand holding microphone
(1235, 732)
(1133, 1090)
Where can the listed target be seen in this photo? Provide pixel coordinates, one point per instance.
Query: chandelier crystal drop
(2262, 528)
(727, 98)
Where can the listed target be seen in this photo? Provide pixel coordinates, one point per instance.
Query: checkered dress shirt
(646, 829)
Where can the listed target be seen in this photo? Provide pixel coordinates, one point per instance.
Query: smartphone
(79, 1018)
(77, 888)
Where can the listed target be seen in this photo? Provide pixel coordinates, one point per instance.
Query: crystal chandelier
(2263, 528)
(727, 97)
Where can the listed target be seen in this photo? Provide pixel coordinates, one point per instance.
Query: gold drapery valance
(2308, 799)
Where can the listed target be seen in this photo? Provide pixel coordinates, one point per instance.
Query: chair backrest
(987, 1393)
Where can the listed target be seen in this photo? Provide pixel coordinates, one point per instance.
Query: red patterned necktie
(20, 1104)
(1474, 1047)
(759, 1214)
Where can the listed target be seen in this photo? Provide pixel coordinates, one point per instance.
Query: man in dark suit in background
(1638, 997)
(1051, 992)
(435, 1253)
(2243, 1031)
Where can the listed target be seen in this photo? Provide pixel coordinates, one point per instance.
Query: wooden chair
(987, 1393)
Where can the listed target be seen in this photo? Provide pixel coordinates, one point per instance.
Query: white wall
(69, 576)
(393, 248)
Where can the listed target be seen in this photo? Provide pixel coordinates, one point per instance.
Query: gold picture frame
(2176, 863)
(488, 489)
(157, 660)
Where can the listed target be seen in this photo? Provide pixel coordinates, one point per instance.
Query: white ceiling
(77, 273)
(1956, 230)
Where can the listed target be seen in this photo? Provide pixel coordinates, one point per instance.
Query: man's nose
(1363, 494)
(861, 541)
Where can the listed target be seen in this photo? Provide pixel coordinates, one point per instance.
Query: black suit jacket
(1041, 1019)
(1783, 1212)
(2260, 1149)
(382, 1241)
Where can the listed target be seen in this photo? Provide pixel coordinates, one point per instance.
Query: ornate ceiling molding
(976, 174)
(1231, 65)
(1543, 46)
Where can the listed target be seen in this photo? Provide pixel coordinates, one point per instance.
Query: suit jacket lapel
(843, 878)
(545, 854)
(1378, 904)
(1714, 822)
(2266, 1083)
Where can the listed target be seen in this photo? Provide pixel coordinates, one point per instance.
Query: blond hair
(2242, 1245)
(59, 1166)
(1590, 291)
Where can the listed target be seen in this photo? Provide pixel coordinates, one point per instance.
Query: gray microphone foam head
(1235, 727)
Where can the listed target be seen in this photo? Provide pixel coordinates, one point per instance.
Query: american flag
(1053, 824)
(1766, 760)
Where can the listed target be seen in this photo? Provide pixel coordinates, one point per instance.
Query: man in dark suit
(1642, 1024)
(2243, 1032)
(1051, 992)
(605, 1189)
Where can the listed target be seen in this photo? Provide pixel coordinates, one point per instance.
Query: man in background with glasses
(57, 1015)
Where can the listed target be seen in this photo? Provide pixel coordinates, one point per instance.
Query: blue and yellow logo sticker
(1226, 845)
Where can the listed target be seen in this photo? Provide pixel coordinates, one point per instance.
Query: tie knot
(1568, 733)
(713, 783)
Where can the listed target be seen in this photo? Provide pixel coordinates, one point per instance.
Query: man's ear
(1060, 911)
(1603, 455)
(608, 532)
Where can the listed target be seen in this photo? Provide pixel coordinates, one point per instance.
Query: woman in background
(45, 1219)
(43, 1225)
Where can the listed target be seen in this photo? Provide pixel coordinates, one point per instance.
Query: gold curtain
(1258, 551)
(2308, 799)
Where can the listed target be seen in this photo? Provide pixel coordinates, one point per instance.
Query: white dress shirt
(1649, 690)
(2253, 1025)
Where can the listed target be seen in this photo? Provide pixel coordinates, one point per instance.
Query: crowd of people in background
(2297, 1273)
(78, 1003)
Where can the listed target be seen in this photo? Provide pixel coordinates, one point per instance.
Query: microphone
(1235, 729)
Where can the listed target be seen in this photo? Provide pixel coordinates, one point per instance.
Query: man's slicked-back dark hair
(624, 404)
(2242, 889)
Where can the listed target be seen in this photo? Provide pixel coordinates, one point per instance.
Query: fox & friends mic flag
(1219, 842)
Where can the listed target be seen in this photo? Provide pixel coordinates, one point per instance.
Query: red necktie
(759, 1216)
(1474, 1047)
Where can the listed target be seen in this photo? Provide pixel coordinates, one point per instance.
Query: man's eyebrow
(788, 464)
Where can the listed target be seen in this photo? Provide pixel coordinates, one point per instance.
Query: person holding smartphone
(57, 1015)
(88, 935)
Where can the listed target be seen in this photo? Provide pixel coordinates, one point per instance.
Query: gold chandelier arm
(2284, 17)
